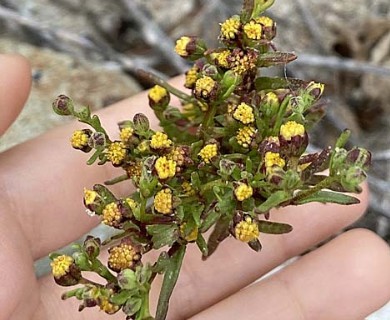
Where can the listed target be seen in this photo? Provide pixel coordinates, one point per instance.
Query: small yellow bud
(205, 87)
(160, 141)
(126, 133)
(89, 196)
(273, 159)
(291, 129)
(222, 59)
(253, 30)
(230, 28)
(123, 256)
(247, 230)
(111, 214)
(208, 152)
(181, 46)
(244, 113)
(157, 93)
(165, 168)
(245, 136)
(265, 21)
(60, 265)
(163, 201)
(191, 76)
(79, 139)
(243, 192)
(116, 152)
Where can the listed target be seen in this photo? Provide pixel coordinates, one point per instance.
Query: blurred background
(91, 50)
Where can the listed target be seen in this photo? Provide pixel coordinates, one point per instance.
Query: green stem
(326, 183)
(169, 282)
(121, 178)
(102, 271)
(280, 116)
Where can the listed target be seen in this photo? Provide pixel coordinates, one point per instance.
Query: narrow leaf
(275, 58)
(274, 227)
(273, 83)
(329, 197)
(202, 244)
(170, 278)
(274, 200)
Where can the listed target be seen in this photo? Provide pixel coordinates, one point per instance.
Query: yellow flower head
(123, 256)
(134, 170)
(187, 188)
(222, 59)
(230, 28)
(111, 214)
(191, 77)
(60, 266)
(253, 30)
(126, 133)
(106, 306)
(157, 93)
(79, 139)
(181, 46)
(273, 159)
(265, 21)
(178, 155)
(243, 192)
(291, 129)
(208, 152)
(163, 201)
(160, 141)
(204, 87)
(131, 203)
(192, 236)
(165, 168)
(116, 152)
(247, 230)
(90, 196)
(244, 114)
(245, 136)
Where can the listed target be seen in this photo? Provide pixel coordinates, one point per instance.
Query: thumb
(15, 83)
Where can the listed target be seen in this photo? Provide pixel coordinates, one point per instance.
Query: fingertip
(15, 84)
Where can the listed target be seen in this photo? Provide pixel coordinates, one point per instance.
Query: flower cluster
(233, 152)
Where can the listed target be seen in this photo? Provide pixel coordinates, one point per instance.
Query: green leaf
(104, 193)
(202, 244)
(343, 138)
(121, 297)
(163, 235)
(162, 263)
(274, 201)
(170, 278)
(329, 197)
(220, 233)
(275, 58)
(273, 83)
(274, 227)
(212, 217)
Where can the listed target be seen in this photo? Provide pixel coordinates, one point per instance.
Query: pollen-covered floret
(247, 230)
(273, 159)
(116, 152)
(291, 129)
(79, 139)
(253, 30)
(134, 170)
(106, 306)
(208, 152)
(244, 113)
(163, 201)
(157, 93)
(265, 21)
(230, 28)
(60, 265)
(181, 46)
(222, 59)
(89, 196)
(165, 168)
(126, 133)
(245, 136)
(160, 141)
(111, 214)
(191, 76)
(177, 154)
(243, 192)
(123, 256)
(204, 87)
(242, 62)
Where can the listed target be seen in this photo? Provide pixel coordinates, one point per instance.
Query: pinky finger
(346, 279)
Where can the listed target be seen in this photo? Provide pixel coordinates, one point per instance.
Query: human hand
(42, 180)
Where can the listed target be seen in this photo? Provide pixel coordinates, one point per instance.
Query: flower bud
(230, 29)
(352, 177)
(97, 140)
(92, 247)
(243, 191)
(245, 228)
(293, 138)
(63, 106)
(141, 123)
(191, 48)
(159, 98)
(65, 271)
(359, 157)
(127, 279)
(269, 144)
(206, 88)
(315, 89)
(268, 27)
(269, 104)
(80, 140)
(227, 167)
(123, 256)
